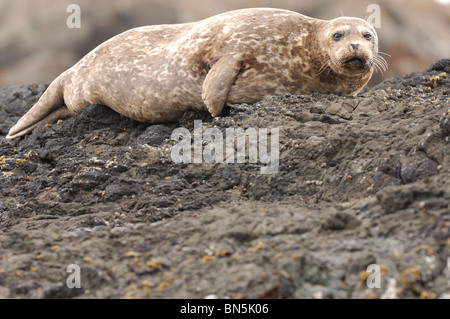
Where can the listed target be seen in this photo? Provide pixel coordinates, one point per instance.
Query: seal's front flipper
(50, 107)
(218, 83)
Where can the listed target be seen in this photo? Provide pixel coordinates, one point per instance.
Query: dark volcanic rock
(361, 181)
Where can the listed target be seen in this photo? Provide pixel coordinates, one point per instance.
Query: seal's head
(351, 45)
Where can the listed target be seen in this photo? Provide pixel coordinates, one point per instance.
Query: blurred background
(36, 45)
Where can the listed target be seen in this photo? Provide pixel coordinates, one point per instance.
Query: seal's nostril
(354, 46)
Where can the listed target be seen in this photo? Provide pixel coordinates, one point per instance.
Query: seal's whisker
(375, 67)
(329, 68)
(384, 53)
(324, 66)
(382, 62)
(380, 68)
(322, 69)
(377, 64)
(382, 59)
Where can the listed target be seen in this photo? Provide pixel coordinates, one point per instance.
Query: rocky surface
(361, 181)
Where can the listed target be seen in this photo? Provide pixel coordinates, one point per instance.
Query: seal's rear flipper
(50, 107)
(21, 129)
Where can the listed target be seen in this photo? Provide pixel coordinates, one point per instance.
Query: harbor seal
(155, 73)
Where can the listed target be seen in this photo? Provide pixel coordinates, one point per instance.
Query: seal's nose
(354, 46)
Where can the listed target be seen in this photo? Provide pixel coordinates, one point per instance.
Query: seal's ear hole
(337, 36)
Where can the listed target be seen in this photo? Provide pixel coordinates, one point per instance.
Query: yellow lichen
(259, 246)
(88, 259)
(435, 79)
(424, 247)
(348, 178)
(132, 287)
(147, 286)
(372, 295)
(427, 295)
(162, 286)
(207, 259)
(130, 254)
(4, 160)
(409, 278)
(223, 253)
(236, 295)
(384, 270)
(154, 264)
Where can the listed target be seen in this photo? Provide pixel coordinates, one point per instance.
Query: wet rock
(361, 181)
(445, 124)
(341, 221)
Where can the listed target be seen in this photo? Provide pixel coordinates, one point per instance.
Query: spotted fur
(155, 73)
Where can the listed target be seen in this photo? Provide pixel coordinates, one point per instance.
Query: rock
(361, 181)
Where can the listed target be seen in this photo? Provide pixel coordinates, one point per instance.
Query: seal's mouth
(357, 63)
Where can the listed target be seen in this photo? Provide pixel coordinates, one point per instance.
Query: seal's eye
(367, 36)
(337, 36)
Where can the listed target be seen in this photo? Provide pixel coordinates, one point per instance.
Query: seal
(155, 73)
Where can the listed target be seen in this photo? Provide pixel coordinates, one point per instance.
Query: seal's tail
(50, 107)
